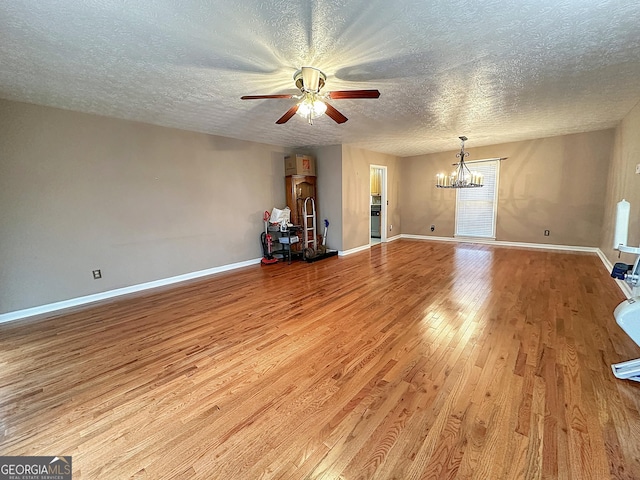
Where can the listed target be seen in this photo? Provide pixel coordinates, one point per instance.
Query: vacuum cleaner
(267, 243)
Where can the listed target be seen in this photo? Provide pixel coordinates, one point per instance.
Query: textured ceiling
(493, 70)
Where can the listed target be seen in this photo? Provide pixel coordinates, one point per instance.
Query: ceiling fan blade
(290, 113)
(341, 94)
(258, 97)
(335, 115)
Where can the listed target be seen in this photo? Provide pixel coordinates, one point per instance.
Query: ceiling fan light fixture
(311, 107)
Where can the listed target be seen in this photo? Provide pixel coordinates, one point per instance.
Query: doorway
(378, 204)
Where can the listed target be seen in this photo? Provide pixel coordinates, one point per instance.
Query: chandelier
(461, 177)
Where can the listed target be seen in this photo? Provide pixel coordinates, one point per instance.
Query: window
(476, 207)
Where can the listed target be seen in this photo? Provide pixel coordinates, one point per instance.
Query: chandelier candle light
(461, 177)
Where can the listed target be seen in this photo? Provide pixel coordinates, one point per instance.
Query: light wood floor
(414, 360)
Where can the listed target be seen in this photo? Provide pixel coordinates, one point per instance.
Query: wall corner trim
(74, 302)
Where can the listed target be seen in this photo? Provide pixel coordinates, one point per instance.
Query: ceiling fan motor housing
(309, 79)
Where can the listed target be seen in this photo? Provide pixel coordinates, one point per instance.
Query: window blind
(476, 207)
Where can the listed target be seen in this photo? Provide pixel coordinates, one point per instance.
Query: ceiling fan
(312, 103)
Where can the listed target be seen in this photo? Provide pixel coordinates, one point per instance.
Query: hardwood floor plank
(411, 360)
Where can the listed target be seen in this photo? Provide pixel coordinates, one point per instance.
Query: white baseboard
(344, 253)
(501, 243)
(427, 237)
(74, 302)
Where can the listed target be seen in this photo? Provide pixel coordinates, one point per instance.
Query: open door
(378, 180)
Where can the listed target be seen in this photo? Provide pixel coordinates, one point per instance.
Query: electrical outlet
(97, 274)
(638, 168)
(546, 233)
(390, 227)
(433, 227)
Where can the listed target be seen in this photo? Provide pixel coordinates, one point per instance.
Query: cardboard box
(300, 165)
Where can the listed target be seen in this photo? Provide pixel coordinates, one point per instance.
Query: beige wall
(142, 203)
(356, 194)
(623, 183)
(421, 203)
(80, 192)
(329, 170)
(553, 183)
